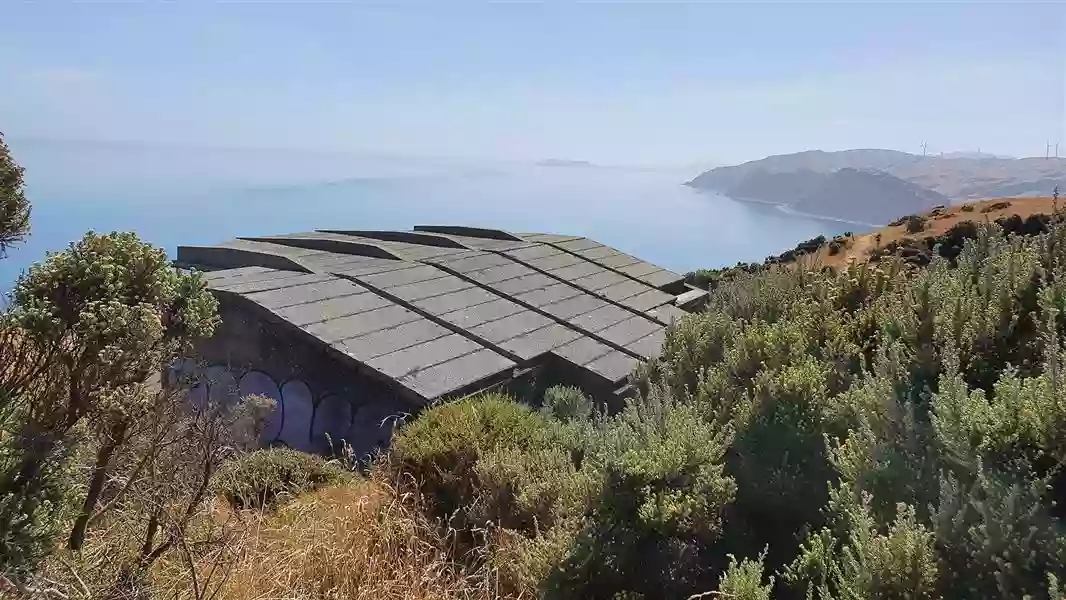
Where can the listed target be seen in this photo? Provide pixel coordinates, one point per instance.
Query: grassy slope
(861, 245)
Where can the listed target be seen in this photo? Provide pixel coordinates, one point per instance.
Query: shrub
(915, 224)
(652, 528)
(14, 207)
(744, 580)
(35, 519)
(967, 208)
(995, 206)
(899, 564)
(441, 448)
(490, 460)
(566, 403)
(260, 478)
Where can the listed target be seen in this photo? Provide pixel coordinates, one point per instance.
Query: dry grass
(861, 245)
(354, 541)
(358, 541)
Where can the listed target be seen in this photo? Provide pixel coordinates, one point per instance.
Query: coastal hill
(957, 177)
(834, 194)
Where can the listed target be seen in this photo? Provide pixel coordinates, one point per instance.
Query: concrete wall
(318, 392)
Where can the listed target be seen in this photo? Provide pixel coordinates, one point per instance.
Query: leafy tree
(114, 314)
(14, 206)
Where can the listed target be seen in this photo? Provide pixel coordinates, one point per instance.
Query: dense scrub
(878, 432)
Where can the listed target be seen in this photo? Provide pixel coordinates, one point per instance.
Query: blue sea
(173, 196)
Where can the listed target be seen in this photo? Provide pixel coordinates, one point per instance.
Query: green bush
(262, 477)
(490, 459)
(744, 580)
(567, 403)
(651, 530)
(33, 521)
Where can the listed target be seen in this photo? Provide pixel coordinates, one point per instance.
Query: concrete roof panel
(428, 289)
(519, 285)
(473, 316)
(455, 374)
(539, 341)
(500, 273)
(332, 308)
(582, 351)
(579, 244)
(356, 325)
(618, 260)
(630, 330)
(304, 293)
(547, 295)
(571, 307)
(550, 263)
(413, 274)
(650, 345)
(511, 326)
(601, 318)
(600, 280)
(625, 288)
(465, 298)
(648, 300)
(395, 338)
(401, 363)
(577, 271)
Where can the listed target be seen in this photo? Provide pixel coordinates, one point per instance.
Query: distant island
(561, 162)
(873, 186)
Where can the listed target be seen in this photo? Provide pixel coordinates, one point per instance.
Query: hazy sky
(633, 82)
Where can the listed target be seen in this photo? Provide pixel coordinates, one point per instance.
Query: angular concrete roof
(439, 310)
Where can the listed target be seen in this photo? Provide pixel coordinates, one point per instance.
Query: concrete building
(348, 328)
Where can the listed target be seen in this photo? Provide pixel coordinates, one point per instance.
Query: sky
(649, 83)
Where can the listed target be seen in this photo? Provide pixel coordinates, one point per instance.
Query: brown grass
(358, 541)
(860, 245)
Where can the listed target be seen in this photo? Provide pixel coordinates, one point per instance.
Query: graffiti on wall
(301, 421)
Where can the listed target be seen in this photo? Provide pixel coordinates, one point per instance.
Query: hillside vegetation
(885, 430)
(916, 235)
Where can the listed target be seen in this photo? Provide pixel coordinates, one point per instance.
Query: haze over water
(173, 196)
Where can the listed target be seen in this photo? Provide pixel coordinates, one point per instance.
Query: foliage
(262, 477)
(652, 528)
(14, 207)
(744, 580)
(915, 224)
(996, 206)
(82, 347)
(567, 403)
(33, 520)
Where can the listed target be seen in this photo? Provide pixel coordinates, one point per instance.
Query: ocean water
(174, 196)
